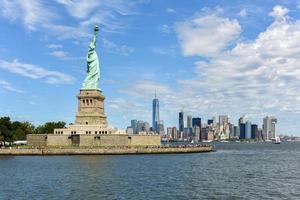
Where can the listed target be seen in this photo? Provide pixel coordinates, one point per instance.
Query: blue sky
(206, 57)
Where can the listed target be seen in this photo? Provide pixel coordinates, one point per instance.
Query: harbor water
(234, 171)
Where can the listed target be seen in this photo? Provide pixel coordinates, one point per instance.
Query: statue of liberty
(91, 81)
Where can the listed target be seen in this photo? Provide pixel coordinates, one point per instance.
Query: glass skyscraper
(254, 131)
(248, 130)
(196, 122)
(181, 121)
(155, 114)
(242, 131)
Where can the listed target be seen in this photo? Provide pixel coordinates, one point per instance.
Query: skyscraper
(160, 127)
(242, 120)
(237, 131)
(155, 114)
(214, 121)
(210, 121)
(223, 126)
(196, 122)
(248, 130)
(134, 126)
(269, 130)
(223, 120)
(181, 121)
(189, 121)
(172, 133)
(242, 130)
(254, 131)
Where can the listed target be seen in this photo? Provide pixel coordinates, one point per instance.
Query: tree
(21, 129)
(49, 127)
(5, 129)
(12, 131)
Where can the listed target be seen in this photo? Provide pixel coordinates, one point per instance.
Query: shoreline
(104, 151)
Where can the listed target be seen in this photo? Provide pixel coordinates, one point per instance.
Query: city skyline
(242, 72)
(194, 129)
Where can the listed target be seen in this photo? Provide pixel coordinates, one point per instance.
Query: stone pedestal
(91, 108)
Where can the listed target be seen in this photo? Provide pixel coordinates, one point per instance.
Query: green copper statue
(91, 81)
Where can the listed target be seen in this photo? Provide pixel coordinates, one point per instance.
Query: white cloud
(63, 32)
(59, 54)
(146, 88)
(264, 73)
(243, 13)
(207, 35)
(170, 10)
(79, 8)
(55, 46)
(259, 77)
(118, 49)
(166, 28)
(32, 102)
(108, 13)
(31, 13)
(164, 50)
(279, 12)
(40, 16)
(9, 87)
(36, 72)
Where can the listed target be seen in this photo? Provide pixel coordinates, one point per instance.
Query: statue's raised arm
(93, 70)
(92, 47)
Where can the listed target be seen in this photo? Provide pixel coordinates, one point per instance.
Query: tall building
(140, 125)
(187, 133)
(223, 120)
(172, 133)
(254, 131)
(231, 130)
(196, 122)
(204, 133)
(181, 121)
(189, 121)
(260, 133)
(155, 114)
(269, 126)
(134, 126)
(242, 130)
(224, 127)
(242, 120)
(210, 121)
(197, 133)
(248, 130)
(236, 131)
(214, 121)
(161, 128)
(146, 126)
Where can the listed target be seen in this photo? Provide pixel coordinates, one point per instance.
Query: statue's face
(96, 28)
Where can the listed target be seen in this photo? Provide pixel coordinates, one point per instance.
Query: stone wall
(120, 140)
(59, 140)
(103, 140)
(40, 140)
(37, 140)
(93, 140)
(145, 140)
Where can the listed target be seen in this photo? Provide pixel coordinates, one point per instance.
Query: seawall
(104, 151)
